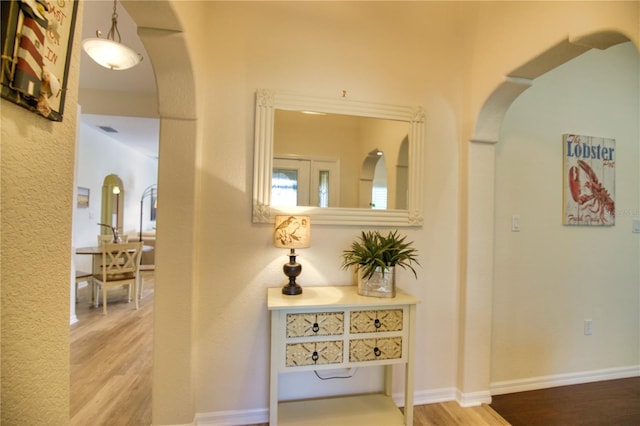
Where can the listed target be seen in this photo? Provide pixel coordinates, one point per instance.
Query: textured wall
(211, 340)
(550, 277)
(37, 191)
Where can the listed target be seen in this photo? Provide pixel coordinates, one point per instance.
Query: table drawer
(313, 353)
(375, 349)
(373, 321)
(315, 324)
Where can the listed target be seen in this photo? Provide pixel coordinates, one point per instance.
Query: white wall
(286, 46)
(550, 277)
(211, 335)
(232, 319)
(99, 156)
(37, 196)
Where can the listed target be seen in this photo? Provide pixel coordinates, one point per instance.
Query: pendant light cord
(114, 26)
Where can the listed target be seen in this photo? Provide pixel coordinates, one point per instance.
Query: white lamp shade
(292, 232)
(111, 54)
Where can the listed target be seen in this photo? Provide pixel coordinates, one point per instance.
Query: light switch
(636, 226)
(515, 223)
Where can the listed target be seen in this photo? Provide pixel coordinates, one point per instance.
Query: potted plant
(375, 256)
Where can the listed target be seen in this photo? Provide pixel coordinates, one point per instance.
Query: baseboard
(473, 399)
(465, 399)
(543, 382)
(249, 417)
(233, 418)
(427, 396)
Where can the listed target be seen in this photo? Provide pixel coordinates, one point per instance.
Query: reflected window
(305, 182)
(323, 188)
(284, 187)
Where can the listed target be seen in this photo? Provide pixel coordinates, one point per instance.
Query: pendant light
(108, 52)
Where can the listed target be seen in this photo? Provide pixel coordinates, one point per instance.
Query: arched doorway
(476, 291)
(161, 32)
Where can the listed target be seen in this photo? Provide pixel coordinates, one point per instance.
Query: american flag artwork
(36, 44)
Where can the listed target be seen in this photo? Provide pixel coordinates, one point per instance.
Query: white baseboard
(427, 396)
(233, 418)
(469, 399)
(473, 399)
(543, 382)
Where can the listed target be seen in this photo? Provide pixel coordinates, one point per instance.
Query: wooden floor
(111, 360)
(612, 402)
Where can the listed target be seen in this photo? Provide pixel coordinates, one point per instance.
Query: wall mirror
(340, 161)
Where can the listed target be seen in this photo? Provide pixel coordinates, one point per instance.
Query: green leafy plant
(372, 250)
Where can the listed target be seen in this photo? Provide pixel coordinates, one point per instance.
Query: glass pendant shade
(111, 54)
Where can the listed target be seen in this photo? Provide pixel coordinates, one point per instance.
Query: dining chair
(144, 270)
(104, 239)
(120, 267)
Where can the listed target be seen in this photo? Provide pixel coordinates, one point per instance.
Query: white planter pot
(379, 284)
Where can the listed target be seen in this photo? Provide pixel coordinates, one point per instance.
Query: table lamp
(292, 232)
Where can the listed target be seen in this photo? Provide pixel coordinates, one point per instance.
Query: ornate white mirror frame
(267, 101)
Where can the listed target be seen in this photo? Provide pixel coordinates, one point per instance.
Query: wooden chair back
(120, 266)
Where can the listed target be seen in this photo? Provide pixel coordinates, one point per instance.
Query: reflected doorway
(112, 209)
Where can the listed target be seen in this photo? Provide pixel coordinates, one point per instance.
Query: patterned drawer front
(314, 353)
(376, 321)
(375, 349)
(315, 324)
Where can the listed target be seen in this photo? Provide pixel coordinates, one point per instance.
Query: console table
(334, 327)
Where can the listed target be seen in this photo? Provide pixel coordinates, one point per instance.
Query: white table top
(333, 296)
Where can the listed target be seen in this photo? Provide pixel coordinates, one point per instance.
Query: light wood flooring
(111, 359)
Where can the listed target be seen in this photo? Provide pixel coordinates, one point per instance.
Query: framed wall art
(83, 197)
(589, 175)
(36, 39)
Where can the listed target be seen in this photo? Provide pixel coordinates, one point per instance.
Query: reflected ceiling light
(108, 52)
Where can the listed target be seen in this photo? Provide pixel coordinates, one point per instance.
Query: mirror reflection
(349, 162)
(337, 160)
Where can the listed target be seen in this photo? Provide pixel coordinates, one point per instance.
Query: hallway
(111, 361)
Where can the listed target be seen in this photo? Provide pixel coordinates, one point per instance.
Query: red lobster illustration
(598, 201)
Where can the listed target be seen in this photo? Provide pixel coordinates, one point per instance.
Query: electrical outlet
(588, 327)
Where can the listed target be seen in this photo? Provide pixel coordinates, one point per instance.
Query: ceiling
(141, 134)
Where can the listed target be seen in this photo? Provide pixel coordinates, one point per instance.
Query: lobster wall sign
(589, 180)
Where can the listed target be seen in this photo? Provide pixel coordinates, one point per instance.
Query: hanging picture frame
(36, 39)
(83, 197)
(589, 167)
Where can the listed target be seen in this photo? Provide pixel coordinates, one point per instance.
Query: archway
(160, 29)
(476, 291)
